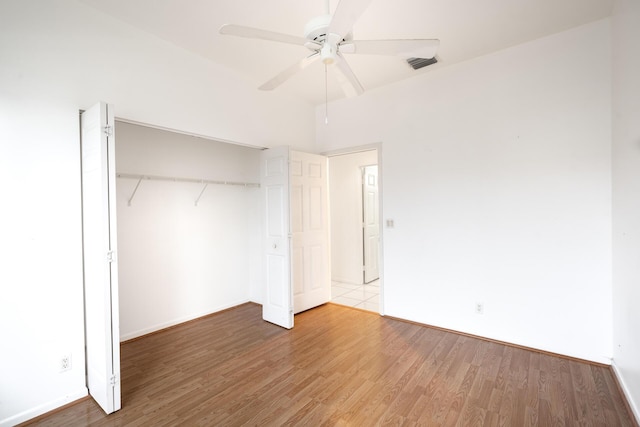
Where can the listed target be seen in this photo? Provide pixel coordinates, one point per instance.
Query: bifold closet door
(277, 301)
(99, 255)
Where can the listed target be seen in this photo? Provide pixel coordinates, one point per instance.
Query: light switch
(390, 223)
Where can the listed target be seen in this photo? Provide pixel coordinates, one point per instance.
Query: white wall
(497, 174)
(345, 194)
(626, 197)
(41, 307)
(61, 49)
(179, 261)
(56, 57)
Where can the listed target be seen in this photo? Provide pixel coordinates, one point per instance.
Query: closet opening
(189, 224)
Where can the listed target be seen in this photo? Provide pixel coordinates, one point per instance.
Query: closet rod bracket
(134, 191)
(201, 193)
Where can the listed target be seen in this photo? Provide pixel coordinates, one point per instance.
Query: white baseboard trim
(43, 409)
(625, 390)
(174, 322)
(348, 281)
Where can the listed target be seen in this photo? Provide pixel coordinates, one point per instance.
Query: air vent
(417, 63)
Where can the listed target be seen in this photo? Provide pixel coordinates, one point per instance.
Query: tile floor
(365, 297)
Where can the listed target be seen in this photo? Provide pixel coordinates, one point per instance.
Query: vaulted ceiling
(465, 28)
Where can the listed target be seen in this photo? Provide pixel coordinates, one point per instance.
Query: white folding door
(99, 255)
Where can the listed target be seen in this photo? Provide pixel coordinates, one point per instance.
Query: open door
(102, 329)
(370, 223)
(310, 228)
(277, 300)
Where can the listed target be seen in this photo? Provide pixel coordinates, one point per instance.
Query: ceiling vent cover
(417, 63)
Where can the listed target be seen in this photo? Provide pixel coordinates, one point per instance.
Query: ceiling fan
(328, 37)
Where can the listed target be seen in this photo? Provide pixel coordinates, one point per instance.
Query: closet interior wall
(186, 248)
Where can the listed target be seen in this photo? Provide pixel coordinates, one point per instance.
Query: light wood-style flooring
(342, 366)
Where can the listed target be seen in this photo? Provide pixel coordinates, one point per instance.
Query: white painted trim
(625, 391)
(347, 281)
(177, 321)
(353, 150)
(382, 220)
(196, 135)
(43, 409)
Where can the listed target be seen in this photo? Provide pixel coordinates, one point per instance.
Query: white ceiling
(465, 28)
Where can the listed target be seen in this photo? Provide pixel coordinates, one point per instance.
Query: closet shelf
(205, 182)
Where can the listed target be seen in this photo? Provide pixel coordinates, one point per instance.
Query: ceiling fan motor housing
(316, 29)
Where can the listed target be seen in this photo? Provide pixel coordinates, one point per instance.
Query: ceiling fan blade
(405, 48)
(290, 72)
(347, 79)
(256, 33)
(346, 14)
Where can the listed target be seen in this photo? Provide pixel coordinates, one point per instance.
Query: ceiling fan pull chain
(326, 96)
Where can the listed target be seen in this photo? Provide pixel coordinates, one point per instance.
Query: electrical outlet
(65, 363)
(479, 308)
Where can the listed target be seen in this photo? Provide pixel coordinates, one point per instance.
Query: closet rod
(206, 182)
(179, 179)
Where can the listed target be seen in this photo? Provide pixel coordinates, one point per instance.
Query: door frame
(357, 149)
(363, 174)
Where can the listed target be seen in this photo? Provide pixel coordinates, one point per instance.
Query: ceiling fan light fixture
(328, 54)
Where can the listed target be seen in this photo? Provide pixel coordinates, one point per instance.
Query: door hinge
(110, 256)
(108, 130)
(112, 380)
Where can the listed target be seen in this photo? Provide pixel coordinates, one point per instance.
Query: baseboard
(166, 325)
(347, 281)
(44, 408)
(625, 392)
(605, 362)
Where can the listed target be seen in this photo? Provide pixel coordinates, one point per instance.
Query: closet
(188, 227)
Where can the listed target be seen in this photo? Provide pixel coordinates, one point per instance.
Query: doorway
(355, 229)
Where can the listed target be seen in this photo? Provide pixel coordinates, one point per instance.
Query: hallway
(365, 297)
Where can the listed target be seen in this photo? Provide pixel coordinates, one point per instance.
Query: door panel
(309, 199)
(371, 223)
(317, 214)
(298, 271)
(296, 209)
(100, 262)
(277, 304)
(317, 267)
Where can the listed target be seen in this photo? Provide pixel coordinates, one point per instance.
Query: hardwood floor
(341, 366)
